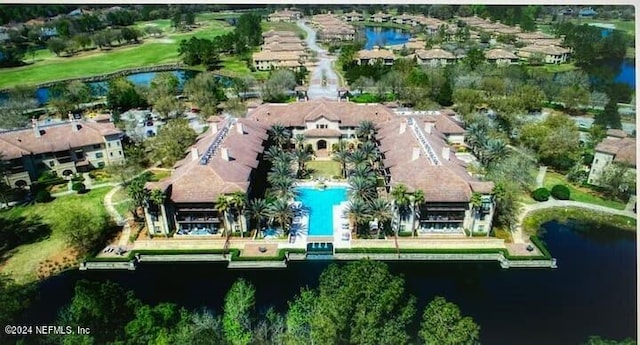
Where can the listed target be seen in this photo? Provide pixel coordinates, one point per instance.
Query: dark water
(593, 292)
(377, 36)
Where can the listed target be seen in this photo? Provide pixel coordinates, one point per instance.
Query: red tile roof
(623, 150)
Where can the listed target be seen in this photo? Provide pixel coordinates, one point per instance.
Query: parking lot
(144, 123)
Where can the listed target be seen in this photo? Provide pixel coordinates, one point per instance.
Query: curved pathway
(322, 68)
(519, 236)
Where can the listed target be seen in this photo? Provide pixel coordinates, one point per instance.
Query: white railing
(426, 147)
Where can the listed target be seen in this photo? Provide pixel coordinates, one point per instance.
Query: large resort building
(616, 148)
(62, 148)
(416, 151)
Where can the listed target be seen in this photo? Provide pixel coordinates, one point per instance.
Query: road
(322, 69)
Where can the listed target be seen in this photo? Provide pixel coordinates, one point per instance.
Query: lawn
(555, 68)
(580, 194)
(153, 51)
(23, 261)
(328, 169)
(626, 26)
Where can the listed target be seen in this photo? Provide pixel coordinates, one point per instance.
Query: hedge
(43, 195)
(561, 192)
(78, 187)
(541, 194)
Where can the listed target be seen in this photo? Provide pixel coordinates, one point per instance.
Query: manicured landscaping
(533, 221)
(328, 169)
(581, 194)
(281, 26)
(23, 261)
(153, 51)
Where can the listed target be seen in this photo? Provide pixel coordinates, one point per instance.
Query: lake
(377, 36)
(593, 292)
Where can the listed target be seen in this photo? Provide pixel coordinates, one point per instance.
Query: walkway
(519, 237)
(322, 69)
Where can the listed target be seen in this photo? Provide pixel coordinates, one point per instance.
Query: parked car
(149, 123)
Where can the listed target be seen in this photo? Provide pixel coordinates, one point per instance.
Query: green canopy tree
(171, 142)
(238, 307)
(442, 324)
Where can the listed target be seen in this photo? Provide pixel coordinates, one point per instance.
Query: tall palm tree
(281, 168)
(476, 134)
(370, 151)
(283, 187)
(357, 157)
(400, 199)
(363, 170)
(358, 212)
(302, 157)
(382, 211)
(156, 197)
(476, 203)
(341, 155)
(365, 131)
(223, 205)
(257, 211)
(275, 153)
(239, 203)
(282, 212)
(418, 199)
(281, 135)
(362, 188)
(299, 141)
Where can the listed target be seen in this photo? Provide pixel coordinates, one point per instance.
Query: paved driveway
(323, 68)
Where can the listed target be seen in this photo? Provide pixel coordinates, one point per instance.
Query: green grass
(157, 175)
(626, 26)
(153, 51)
(327, 169)
(120, 195)
(281, 26)
(553, 68)
(123, 208)
(23, 261)
(580, 194)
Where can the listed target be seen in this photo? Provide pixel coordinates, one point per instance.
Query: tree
(168, 106)
(242, 85)
(14, 110)
(362, 83)
(163, 84)
(350, 310)
(381, 211)
(474, 58)
(206, 92)
(257, 210)
(155, 325)
(202, 328)
(358, 212)
(172, 141)
(223, 206)
(442, 323)
(269, 329)
(280, 211)
(155, 200)
(299, 318)
(14, 299)
(131, 34)
(122, 94)
(238, 306)
(401, 201)
(610, 117)
(100, 304)
(573, 97)
(239, 203)
(137, 193)
(56, 45)
(278, 86)
(597, 340)
(618, 179)
(83, 228)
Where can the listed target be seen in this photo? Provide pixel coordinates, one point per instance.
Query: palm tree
(302, 157)
(401, 201)
(223, 206)
(493, 149)
(357, 157)
(280, 210)
(299, 141)
(418, 199)
(156, 197)
(341, 155)
(239, 203)
(382, 211)
(366, 131)
(362, 170)
(476, 202)
(283, 186)
(280, 168)
(362, 188)
(358, 212)
(257, 210)
(475, 137)
(281, 135)
(370, 150)
(275, 153)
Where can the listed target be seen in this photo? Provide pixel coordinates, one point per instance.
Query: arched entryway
(322, 144)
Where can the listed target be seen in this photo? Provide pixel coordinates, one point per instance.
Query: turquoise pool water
(319, 204)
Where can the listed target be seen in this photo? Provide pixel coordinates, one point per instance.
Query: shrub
(77, 178)
(79, 187)
(541, 194)
(47, 175)
(561, 192)
(43, 195)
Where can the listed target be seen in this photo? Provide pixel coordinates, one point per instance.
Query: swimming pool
(320, 204)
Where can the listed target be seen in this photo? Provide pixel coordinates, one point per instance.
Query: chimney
(428, 127)
(214, 127)
(225, 154)
(416, 153)
(403, 127)
(36, 129)
(194, 153)
(445, 152)
(240, 128)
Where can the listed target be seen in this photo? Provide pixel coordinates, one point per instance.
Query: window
(322, 126)
(96, 146)
(52, 163)
(108, 144)
(100, 164)
(99, 154)
(596, 161)
(119, 153)
(111, 154)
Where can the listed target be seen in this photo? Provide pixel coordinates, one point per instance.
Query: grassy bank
(534, 220)
(581, 194)
(22, 262)
(152, 51)
(281, 26)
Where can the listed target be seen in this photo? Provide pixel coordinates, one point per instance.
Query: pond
(99, 88)
(593, 292)
(377, 36)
